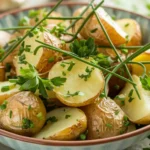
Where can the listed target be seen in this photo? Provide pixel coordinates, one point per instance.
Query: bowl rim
(71, 143)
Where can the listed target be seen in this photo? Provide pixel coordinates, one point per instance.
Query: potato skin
(117, 36)
(19, 105)
(2, 72)
(102, 113)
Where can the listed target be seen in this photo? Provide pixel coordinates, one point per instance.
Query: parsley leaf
(87, 75)
(27, 124)
(74, 94)
(3, 105)
(58, 81)
(52, 119)
(145, 82)
(84, 48)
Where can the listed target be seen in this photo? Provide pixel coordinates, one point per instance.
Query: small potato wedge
(137, 69)
(41, 59)
(63, 124)
(83, 82)
(132, 28)
(137, 110)
(25, 114)
(93, 29)
(105, 119)
(11, 89)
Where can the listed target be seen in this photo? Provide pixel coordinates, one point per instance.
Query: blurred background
(140, 6)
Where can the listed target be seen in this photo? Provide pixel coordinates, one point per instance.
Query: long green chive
(65, 18)
(85, 21)
(116, 52)
(80, 59)
(12, 48)
(17, 28)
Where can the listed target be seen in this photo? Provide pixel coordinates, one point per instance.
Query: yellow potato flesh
(137, 69)
(13, 90)
(71, 122)
(132, 28)
(90, 88)
(137, 109)
(116, 34)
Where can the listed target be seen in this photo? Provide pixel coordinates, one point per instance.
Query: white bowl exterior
(116, 145)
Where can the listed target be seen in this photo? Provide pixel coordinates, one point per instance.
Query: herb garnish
(27, 124)
(94, 30)
(84, 48)
(40, 115)
(3, 105)
(145, 80)
(52, 119)
(130, 95)
(126, 121)
(87, 75)
(127, 24)
(29, 107)
(5, 88)
(109, 125)
(71, 64)
(29, 80)
(10, 114)
(67, 116)
(78, 93)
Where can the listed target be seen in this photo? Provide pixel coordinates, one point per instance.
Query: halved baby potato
(64, 123)
(7, 90)
(93, 29)
(83, 82)
(133, 30)
(44, 59)
(137, 69)
(137, 110)
(105, 119)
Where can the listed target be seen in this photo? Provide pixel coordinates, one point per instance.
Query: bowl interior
(11, 20)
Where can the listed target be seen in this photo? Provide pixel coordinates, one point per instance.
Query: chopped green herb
(2, 52)
(29, 107)
(125, 51)
(67, 116)
(58, 30)
(109, 125)
(87, 75)
(113, 17)
(10, 114)
(58, 81)
(121, 98)
(127, 24)
(126, 121)
(40, 116)
(50, 60)
(3, 105)
(33, 13)
(102, 95)
(145, 82)
(27, 124)
(71, 64)
(24, 21)
(148, 6)
(127, 38)
(7, 67)
(84, 48)
(82, 136)
(5, 88)
(63, 73)
(130, 96)
(116, 112)
(78, 93)
(52, 119)
(117, 87)
(94, 30)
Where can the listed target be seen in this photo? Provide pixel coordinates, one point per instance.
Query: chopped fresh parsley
(10, 114)
(82, 136)
(67, 116)
(127, 24)
(24, 21)
(126, 121)
(71, 65)
(78, 93)
(40, 115)
(121, 98)
(5, 88)
(145, 82)
(109, 125)
(130, 96)
(2, 52)
(29, 80)
(102, 95)
(87, 75)
(50, 60)
(58, 30)
(29, 107)
(52, 119)
(3, 105)
(27, 124)
(94, 30)
(84, 48)
(116, 112)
